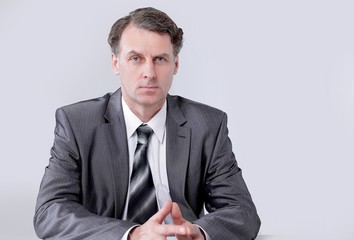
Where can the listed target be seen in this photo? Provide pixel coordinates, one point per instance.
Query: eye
(135, 59)
(160, 59)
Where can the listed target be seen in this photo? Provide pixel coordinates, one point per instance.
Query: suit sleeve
(232, 213)
(59, 210)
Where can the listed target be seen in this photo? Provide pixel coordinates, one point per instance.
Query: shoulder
(90, 109)
(87, 104)
(195, 111)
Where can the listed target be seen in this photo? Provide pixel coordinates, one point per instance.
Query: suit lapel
(115, 131)
(177, 150)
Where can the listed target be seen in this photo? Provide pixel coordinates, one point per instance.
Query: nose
(149, 70)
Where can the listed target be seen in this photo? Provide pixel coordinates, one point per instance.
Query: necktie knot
(144, 133)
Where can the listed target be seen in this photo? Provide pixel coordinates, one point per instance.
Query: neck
(144, 112)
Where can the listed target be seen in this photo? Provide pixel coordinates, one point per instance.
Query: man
(140, 163)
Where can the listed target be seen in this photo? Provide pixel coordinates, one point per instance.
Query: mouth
(148, 87)
(149, 90)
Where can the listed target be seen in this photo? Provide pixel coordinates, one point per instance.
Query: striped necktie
(142, 197)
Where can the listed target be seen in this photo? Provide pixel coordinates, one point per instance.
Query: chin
(151, 101)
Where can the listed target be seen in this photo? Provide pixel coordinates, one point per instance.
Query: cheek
(167, 82)
(126, 83)
(129, 76)
(166, 72)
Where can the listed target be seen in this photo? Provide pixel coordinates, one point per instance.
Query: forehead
(144, 41)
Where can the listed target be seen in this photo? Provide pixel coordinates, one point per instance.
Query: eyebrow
(133, 52)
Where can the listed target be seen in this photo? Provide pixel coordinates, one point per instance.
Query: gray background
(282, 70)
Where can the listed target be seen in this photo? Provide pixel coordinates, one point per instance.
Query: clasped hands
(153, 229)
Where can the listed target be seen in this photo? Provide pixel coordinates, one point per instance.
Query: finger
(171, 230)
(177, 214)
(163, 212)
(192, 232)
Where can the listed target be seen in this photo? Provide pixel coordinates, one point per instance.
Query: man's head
(145, 47)
(149, 19)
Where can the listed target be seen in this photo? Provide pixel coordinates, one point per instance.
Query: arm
(60, 213)
(232, 214)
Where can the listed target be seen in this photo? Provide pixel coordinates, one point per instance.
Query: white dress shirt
(156, 155)
(156, 151)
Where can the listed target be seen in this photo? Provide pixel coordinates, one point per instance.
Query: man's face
(146, 65)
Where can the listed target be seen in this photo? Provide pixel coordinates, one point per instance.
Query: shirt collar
(157, 123)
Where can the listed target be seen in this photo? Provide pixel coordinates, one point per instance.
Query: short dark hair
(149, 19)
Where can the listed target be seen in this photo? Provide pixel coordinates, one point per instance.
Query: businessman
(140, 163)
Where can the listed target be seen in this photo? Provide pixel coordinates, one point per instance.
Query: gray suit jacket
(83, 190)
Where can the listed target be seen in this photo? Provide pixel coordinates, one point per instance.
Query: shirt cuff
(126, 234)
(207, 237)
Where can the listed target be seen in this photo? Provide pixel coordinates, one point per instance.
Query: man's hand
(153, 229)
(191, 231)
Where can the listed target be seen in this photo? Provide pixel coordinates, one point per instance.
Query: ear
(115, 64)
(176, 66)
